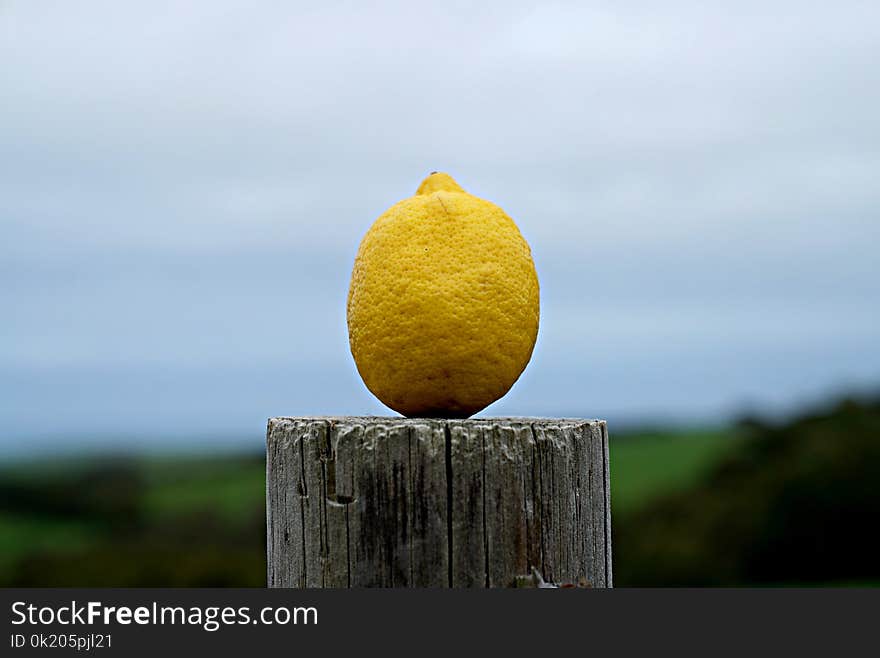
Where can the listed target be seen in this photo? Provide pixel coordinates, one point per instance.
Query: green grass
(229, 487)
(22, 535)
(645, 465)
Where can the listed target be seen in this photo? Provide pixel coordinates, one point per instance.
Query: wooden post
(397, 502)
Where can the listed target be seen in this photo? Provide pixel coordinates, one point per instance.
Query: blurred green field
(753, 504)
(62, 515)
(647, 464)
(231, 487)
(176, 521)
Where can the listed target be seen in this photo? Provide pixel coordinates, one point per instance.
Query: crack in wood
(302, 503)
(485, 525)
(449, 545)
(540, 499)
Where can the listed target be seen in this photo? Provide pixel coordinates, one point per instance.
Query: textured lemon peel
(443, 307)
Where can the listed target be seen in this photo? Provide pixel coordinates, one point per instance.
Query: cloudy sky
(183, 187)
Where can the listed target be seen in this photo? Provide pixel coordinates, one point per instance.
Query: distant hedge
(796, 503)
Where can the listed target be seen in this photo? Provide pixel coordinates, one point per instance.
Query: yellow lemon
(443, 305)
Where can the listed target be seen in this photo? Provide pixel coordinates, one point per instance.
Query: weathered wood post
(396, 502)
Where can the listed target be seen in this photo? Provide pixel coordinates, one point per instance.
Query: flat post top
(511, 421)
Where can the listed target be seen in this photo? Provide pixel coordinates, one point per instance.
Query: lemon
(443, 305)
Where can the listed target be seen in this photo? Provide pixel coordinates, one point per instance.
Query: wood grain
(397, 502)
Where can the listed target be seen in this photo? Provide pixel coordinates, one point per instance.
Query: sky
(183, 187)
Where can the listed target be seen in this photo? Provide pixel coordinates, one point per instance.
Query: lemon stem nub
(438, 182)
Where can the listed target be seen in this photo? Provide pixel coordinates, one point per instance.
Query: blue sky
(183, 187)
